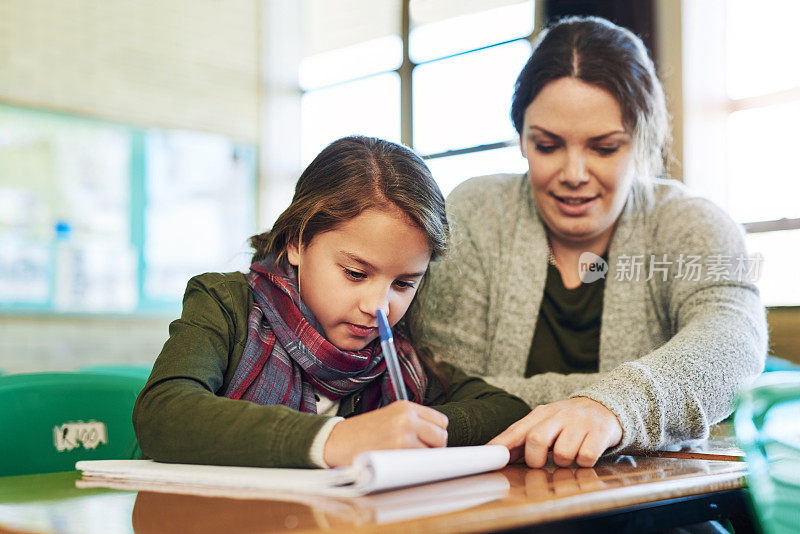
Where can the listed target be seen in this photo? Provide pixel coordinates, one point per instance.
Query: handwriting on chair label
(71, 435)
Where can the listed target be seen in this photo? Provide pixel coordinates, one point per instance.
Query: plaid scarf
(287, 356)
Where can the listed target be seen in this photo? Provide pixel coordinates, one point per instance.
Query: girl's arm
(474, 414)
(178, 416)
(476, 411)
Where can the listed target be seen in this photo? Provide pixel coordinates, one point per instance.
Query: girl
(282, 367)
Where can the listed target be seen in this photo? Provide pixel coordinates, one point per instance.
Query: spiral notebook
(371, 472)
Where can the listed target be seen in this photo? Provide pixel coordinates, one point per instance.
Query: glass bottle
(767, 423)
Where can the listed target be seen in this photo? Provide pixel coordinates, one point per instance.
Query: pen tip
(383, 326)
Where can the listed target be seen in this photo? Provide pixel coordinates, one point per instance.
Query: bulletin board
(102, 217)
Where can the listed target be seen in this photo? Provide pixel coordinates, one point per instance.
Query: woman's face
(580, 160)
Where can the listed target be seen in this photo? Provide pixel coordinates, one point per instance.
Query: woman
(587, 286)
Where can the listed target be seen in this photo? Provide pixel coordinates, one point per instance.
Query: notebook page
(254, 478)
(382, 470)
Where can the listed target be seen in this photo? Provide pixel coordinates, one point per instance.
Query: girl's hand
(578, 429)
(400, 425)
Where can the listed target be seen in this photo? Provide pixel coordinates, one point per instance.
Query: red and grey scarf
(287, 357)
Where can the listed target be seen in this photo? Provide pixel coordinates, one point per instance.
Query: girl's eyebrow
(368, 266)
(595, 138)
(352, 257)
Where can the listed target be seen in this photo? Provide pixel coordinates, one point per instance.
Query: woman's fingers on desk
(568, 444)
(578, 429)
(400, 425)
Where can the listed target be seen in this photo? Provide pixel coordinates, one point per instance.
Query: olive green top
(567, 334)
(179, 416)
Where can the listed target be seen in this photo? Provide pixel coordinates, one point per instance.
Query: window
(100, 217)
(350, 53)
(742, 94)
(357, 80)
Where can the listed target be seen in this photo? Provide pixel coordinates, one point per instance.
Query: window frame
(707, 107)
(762, 101)
(405, 73)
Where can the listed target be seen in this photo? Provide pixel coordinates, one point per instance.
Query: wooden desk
(615, 492)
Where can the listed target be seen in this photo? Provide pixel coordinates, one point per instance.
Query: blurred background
(143, 142)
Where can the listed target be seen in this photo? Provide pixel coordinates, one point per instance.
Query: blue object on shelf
(63, 230)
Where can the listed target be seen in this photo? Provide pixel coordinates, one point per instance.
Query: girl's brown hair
(349, 176)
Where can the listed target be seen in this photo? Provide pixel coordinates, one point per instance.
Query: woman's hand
(400, 425)
(578, 429)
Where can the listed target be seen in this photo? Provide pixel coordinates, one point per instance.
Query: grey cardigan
(673, 353)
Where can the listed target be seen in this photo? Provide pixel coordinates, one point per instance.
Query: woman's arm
(674, 393)
(546, 387)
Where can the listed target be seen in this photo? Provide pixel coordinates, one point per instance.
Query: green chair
(50, 421)
(138, 371)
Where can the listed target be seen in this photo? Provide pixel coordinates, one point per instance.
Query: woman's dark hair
(350, 175)
(601, 53)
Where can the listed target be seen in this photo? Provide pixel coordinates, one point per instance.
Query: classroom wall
(190, 64)
(200, 65)
(64, 344)
(171, 63)
(668, 15)
(784, 332)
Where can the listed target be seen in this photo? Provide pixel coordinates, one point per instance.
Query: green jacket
(179, 416)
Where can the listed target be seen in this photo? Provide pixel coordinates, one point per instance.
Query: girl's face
(579, 158)
(373, 261)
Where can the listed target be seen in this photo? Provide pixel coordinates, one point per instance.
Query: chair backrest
(139, 371)
(49, 421)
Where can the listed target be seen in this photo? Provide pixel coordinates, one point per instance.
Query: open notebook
(371, 472)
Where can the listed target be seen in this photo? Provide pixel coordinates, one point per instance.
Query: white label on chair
(70, 435)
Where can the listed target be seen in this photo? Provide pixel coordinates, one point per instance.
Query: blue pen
(390, 355)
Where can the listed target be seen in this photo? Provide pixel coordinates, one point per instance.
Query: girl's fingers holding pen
(431, 435)
(432, 416)
(412, 410)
